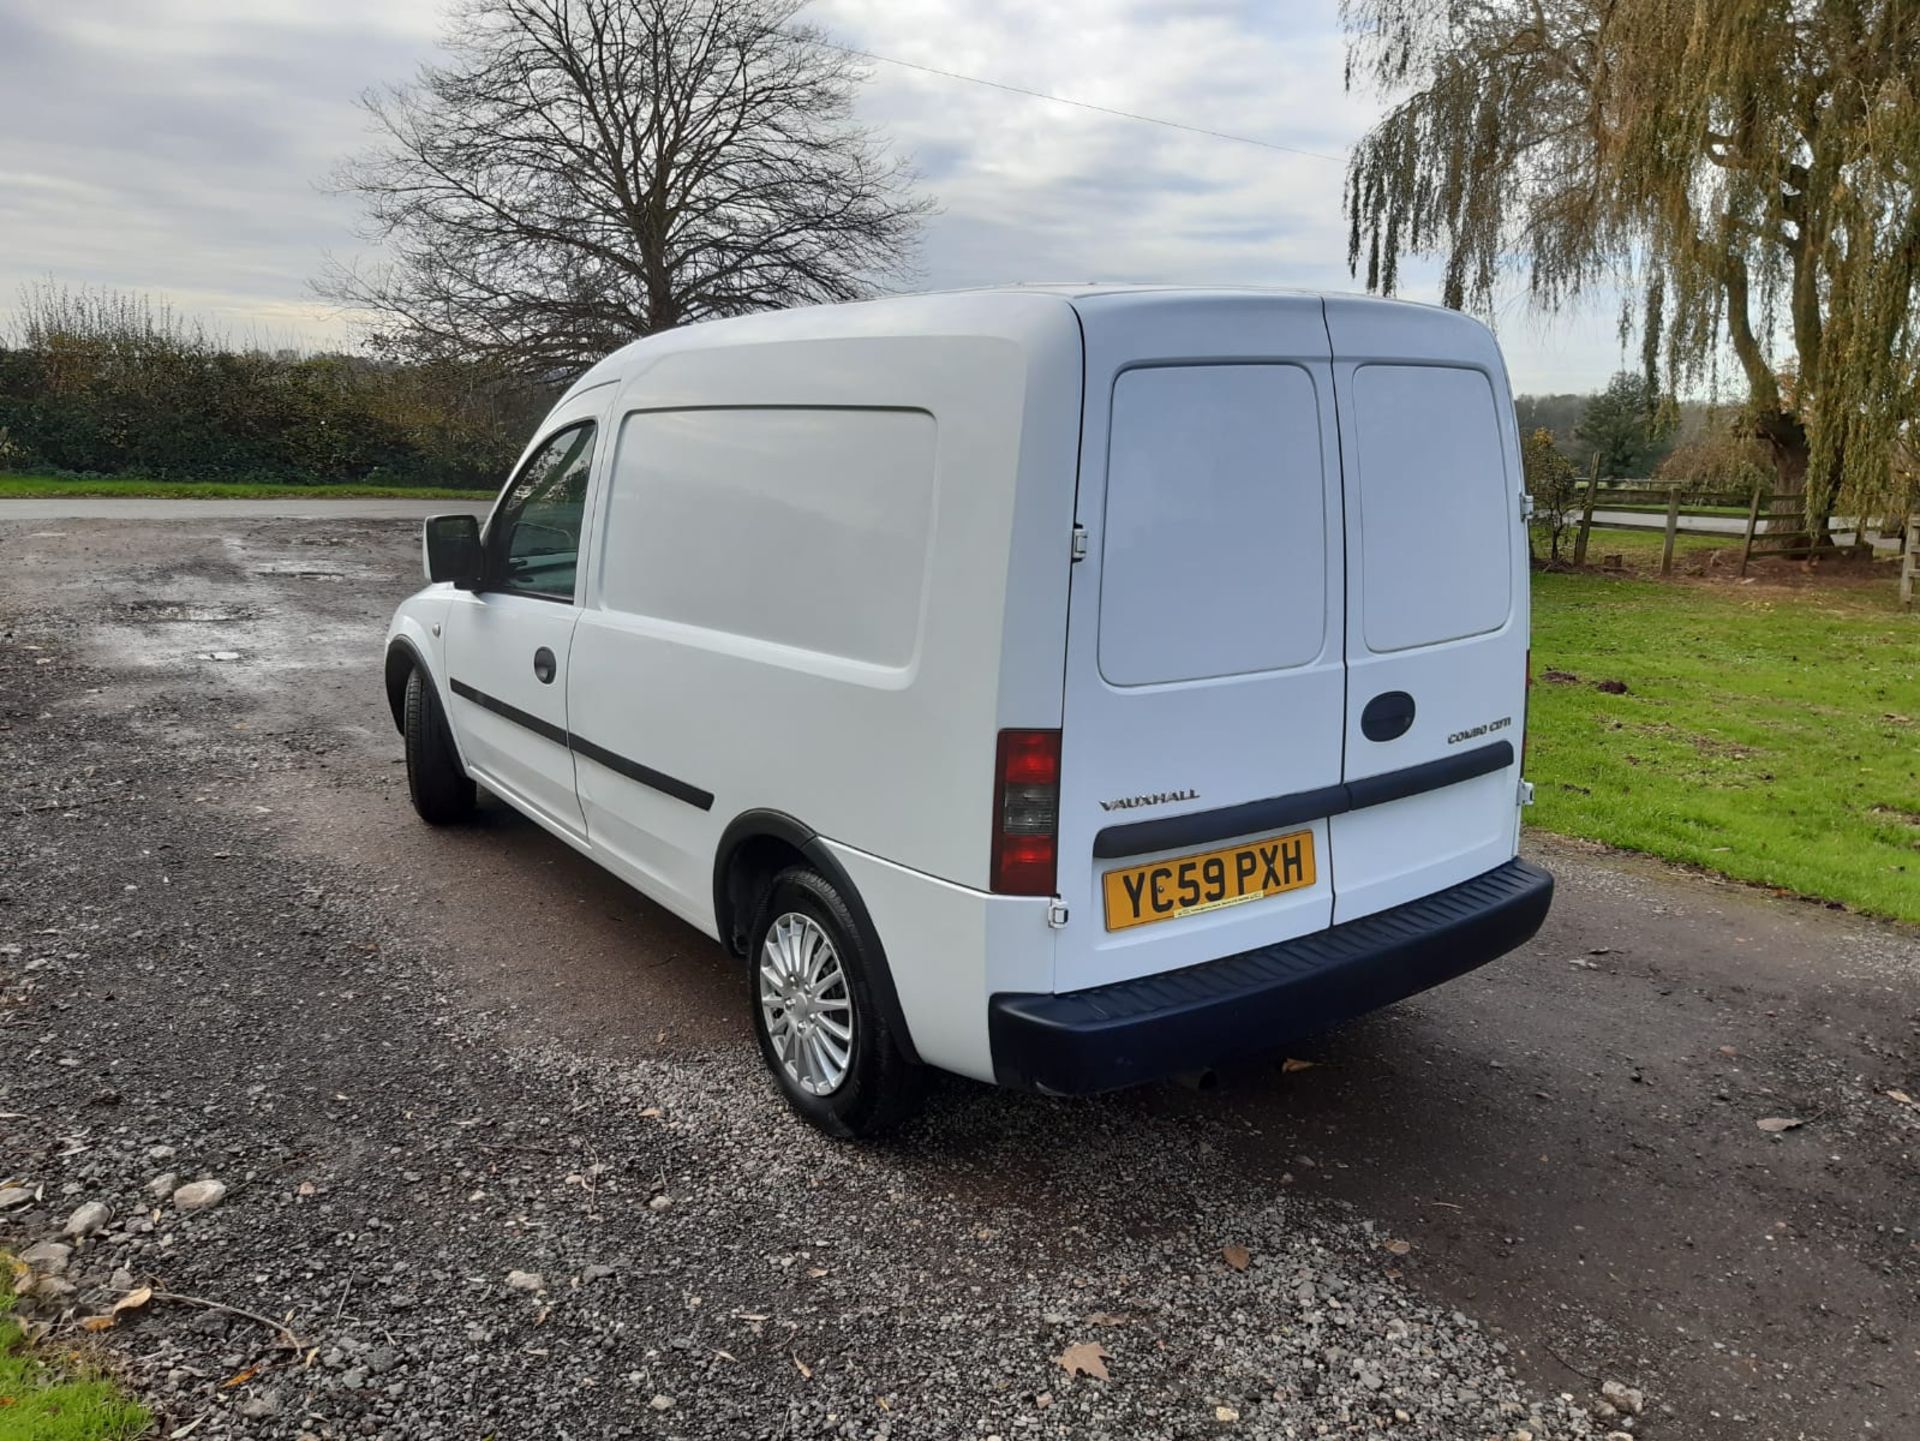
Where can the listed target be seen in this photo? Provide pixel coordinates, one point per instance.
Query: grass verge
(1640, 549)
(47, 1401)
(1772, 736)
(44, 487)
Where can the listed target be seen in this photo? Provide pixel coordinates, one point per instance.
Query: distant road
(1691, 524)
(130, 508)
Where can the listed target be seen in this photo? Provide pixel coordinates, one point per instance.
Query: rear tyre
(821, 1033)
(441, 790)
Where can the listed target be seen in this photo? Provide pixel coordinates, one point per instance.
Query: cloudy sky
(177, 147)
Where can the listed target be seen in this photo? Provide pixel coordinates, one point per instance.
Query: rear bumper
(1256, 1002)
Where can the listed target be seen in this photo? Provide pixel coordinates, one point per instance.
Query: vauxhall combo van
(1061, 686)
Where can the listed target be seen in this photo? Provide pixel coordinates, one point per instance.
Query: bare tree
(581, 172)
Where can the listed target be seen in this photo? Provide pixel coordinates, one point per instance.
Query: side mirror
(450, 549)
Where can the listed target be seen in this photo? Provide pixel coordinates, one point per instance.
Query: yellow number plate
(1166, 890)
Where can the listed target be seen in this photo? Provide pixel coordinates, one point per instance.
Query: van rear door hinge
(1079, 542)
(1057, 913)
(1526, 793)
(1526, 506)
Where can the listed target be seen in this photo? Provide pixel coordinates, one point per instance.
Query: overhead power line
(1078, 104)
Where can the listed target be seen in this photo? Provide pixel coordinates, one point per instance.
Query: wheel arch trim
(404, 653)
(777, 825)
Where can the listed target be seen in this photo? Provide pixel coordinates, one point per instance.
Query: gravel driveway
(495, 1158)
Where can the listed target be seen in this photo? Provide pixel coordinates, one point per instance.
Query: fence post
(1586, 514)
(1910, 563)
(1753, 520)
(1673, 525)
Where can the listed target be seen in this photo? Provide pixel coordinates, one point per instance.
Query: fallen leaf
(883, 1403)
(1399, 1248)
(305, 1188)
(1088, 1358)
(1291, 1064)
(1107, 1318)
(1225, 1413)
(651, 1113)
(1774, 1125)
(133, 1300)
(1901, 1096)
(806, 1371)
(239, 1378)
(1728, 1051)
(816, 1271)
(1238, 1257)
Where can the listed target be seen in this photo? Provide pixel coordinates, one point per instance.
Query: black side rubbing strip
(579, 745)
(1142, 837)
(546, 729)
(1430, 776)
(646, 775)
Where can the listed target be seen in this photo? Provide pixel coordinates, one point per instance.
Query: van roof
(895, 314)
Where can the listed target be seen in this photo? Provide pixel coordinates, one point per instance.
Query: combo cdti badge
(1064, 687)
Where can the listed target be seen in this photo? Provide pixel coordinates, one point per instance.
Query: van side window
(533, 547)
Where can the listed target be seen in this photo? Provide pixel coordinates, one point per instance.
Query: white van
(1060, 686)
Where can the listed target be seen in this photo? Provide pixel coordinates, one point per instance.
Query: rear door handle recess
(544, 665)
(1387, 717)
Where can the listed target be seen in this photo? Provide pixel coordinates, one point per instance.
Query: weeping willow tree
(1743, 171)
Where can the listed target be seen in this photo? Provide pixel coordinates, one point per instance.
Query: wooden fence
(1791, 538)
(1910, 564)
(1594, 494)
(1786, 540)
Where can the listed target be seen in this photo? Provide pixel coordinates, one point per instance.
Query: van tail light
(1026, 812)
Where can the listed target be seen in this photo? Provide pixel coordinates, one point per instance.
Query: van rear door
(1205, 680)
(1436, 603)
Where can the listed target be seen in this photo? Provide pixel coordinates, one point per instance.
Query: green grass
(1642, 547)
(1770, 735)
(47, 1401)
(41, 487)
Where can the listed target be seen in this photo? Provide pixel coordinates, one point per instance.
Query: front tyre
(820, 1031)
(442, 791)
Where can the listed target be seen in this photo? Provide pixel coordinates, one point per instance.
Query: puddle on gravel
(169, 612)
(307, 570)
(236, 620)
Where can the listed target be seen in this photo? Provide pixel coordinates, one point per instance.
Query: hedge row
(175, 409)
